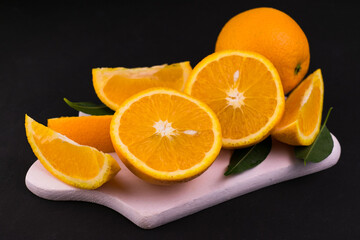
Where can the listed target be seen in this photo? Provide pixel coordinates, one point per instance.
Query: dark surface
(47, 52)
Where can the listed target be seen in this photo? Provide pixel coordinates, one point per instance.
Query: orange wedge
(91, 131)
(114, 85)
(77, 165)
(245, 92)
(164, 136)
(303, 108)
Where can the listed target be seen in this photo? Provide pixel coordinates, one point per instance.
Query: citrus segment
(245, 92)
(303, 108)
(92, 131)
(75, 164)
(165, 136)
(114, 85)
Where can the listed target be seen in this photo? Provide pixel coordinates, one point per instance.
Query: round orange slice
(164, 136)
(75, 164)
(114, 85)
(245, 92)
(303, 108)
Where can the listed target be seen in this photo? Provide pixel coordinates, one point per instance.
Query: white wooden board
(149, 206)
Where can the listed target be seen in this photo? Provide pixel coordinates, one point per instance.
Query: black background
(47, 53)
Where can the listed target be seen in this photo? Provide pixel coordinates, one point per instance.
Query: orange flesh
(168, 152)
(254, 90)
(303, 106)
(65, 157)
(131, 83)
(293, 105)
(308, 117)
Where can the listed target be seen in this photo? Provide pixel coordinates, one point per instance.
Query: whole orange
(275, 35)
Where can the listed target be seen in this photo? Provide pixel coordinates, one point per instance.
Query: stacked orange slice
(164, 136)
(245, 92)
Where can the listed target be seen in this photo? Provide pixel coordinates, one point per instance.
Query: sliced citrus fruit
(91, 131)
(164, 136)
(77, 165)
(114, 85)
(245, 92)
(303, 108)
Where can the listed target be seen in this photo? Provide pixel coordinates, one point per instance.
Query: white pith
(306, 95)
(164, 128)
(235, 98)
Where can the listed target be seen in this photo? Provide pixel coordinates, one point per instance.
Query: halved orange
(91, 131)
(164, 136)
(303, 108)
(245, 92)
(75, 164)
(114, 85)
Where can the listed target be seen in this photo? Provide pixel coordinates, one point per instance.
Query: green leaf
(320, 148)
(90, 108)
(247, 158)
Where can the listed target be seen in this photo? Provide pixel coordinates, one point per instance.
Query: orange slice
(245, 92)
(303, 108)
(164, 136)
(114, 85)
(91, 131)
(77, 165)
